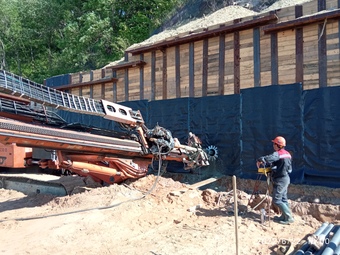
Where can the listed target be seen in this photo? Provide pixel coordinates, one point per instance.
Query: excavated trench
(322, 203)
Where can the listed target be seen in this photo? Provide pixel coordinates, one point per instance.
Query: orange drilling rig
(32, 135)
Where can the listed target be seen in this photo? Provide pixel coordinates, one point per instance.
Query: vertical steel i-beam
(237, 86)
(257, 57)
(322, 47)
(298, 47)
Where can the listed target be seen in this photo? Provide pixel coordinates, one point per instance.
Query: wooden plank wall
(286, 57)
(247, 59)
(229, 62)
(229, 65)
(265, 60)
(108, 89)
(159, 75)
(213, 67)
(147, 76)
(184, 69)
(198, 68)
(333, 53)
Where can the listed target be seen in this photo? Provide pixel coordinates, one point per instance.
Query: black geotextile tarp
(268, 112)
(242, 127)
(215, 120)
(322, 136)
(58, 80)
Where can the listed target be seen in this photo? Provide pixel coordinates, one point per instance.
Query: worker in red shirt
(280, 162)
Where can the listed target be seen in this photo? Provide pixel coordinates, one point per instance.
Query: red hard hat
(280, 141)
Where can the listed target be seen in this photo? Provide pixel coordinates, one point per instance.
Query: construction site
(156, 153)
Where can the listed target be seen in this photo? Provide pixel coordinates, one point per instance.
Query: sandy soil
(156, 216)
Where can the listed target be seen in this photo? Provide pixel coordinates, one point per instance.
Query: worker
(281, 164)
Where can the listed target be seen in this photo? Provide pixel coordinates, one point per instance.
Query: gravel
(221, 16)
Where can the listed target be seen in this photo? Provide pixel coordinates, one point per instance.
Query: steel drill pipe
(323, 237)
(326, 232)
(333, 245)
(337, 251)
(306, 245)
(321, 229)
(302, 249)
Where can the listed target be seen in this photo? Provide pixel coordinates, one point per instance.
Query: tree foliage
(43, 38)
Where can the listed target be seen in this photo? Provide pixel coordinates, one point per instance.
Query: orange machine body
(12, 156)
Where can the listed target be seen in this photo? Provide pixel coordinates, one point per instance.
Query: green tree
(43, 38)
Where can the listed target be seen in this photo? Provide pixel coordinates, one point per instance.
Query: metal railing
(20, 87)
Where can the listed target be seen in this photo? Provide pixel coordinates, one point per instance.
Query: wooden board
(286, 14)
(332, 4)
(75, 78)
(87, 76)
(147, 76)
(229, 65)
(198, 69)
(265, 60)
(310, 37)
(86, 91)
(184, 70)
(97, 74)
(266, 78)
(194, 186)
(97, 92)
(159, 75)
(310, 7)
(120, 86)
(134, 83)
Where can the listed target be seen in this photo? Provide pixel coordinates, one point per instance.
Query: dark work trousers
(280, 189)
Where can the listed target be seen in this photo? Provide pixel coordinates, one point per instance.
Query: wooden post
(235, 213)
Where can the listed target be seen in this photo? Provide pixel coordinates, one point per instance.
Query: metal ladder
(15, 85)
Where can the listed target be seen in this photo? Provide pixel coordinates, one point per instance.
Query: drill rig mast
(105, 156)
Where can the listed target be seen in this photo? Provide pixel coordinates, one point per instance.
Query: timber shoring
(303, 47)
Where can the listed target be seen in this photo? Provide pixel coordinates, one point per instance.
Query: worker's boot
(279, 218)
(282, 217)
(287, 214)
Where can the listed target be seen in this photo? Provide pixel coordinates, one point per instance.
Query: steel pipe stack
(337, 251)
(329, 235)
(334, 243)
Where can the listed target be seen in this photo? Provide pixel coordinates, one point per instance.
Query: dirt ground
(157, 215)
